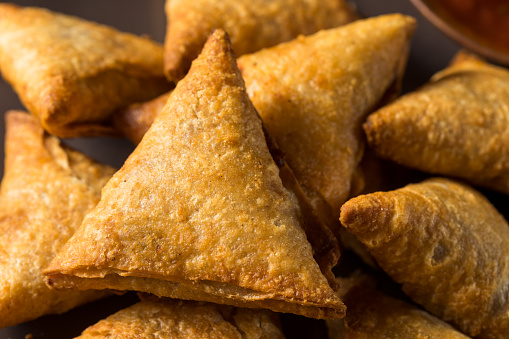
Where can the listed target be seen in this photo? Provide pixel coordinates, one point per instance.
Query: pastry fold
(447, 246)
(134, 120)
(456, 125)
(46, 191)
(251, 25)
(198, 211)
(314, 92)
(185, 319)
(374, 315)
(72, 74)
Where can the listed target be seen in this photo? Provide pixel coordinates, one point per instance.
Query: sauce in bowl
(480, 25)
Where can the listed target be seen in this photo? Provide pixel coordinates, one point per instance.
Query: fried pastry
(323, 241)
(456, 125)
(185, 319)
(313, 93)
(447, 246)
(252, 25)
(198, 211)
(373, 314)
(72, 74)
(46, 191)
(135, 120)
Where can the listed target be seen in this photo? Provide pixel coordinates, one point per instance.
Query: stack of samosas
(251, 175)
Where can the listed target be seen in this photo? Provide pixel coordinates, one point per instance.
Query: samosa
(46, 191)
(456, 125)
(72, 74)
(186, 319)
(251, 24)
(446, 245)
(198, 211)
(375, 315)
(314, 92)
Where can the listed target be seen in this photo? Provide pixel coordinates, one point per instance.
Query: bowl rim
(474, 45)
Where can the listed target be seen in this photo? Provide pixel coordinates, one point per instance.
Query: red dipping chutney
(486, 21)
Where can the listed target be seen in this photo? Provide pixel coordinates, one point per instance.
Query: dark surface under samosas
(430, 52)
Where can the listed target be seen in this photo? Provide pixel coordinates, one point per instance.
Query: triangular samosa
(313, 93)
(198, 211)
(375, 315)
(251, 24)
(46, 191)
(185, 319)
(72, 74)
(446, 245)
(456, 125)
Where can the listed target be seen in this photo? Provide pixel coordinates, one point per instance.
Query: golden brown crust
(135, 120)
(374, 315)
(252, 25)
(198, 210)
(257, 324)
(447, 246)
(185, 319)
(72, 74)
(46, 191)
(456, 125)
(323, 241)
(314, 92)
(464, 57)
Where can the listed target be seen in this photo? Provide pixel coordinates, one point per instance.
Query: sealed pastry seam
(330, 309)
(213, 287)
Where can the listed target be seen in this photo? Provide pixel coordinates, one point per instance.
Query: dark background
(431, 51)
